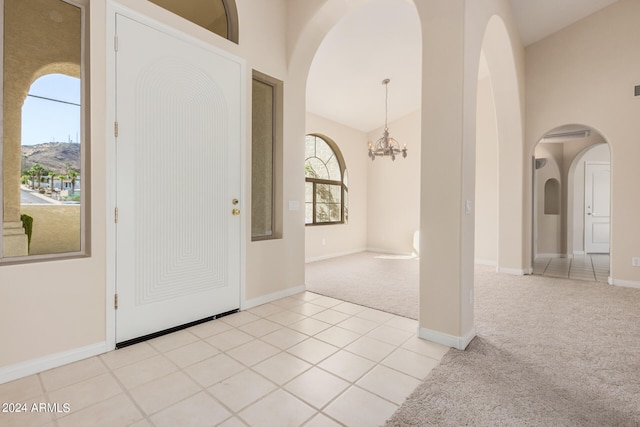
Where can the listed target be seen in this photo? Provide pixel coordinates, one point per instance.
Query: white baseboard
(514, 271)
(30, 367)
(579, 253)
(254, 302)
(487, 262)
(553, 255)
(329, 256)
(624, 283)
(390, 252)
(447, 340)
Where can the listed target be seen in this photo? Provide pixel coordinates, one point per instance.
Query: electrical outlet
(324, 242)
(635, 261)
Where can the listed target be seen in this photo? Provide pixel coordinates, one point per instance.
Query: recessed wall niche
(552, 197)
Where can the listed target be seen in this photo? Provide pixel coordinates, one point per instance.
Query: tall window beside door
(45, 174)
(326, 186)
(266, 155)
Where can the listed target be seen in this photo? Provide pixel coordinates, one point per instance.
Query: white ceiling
(382, 39)
(537, 19)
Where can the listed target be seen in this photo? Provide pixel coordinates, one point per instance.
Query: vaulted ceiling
(382, 39)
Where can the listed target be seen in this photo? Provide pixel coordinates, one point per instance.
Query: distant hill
(52, 155)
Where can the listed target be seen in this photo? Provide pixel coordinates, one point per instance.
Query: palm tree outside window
(325, 182)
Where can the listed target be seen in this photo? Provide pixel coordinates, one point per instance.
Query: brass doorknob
(235, 212)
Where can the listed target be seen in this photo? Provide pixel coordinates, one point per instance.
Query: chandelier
(386, 146)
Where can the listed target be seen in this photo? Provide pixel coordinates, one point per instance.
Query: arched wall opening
(486, 188)
(447, 311)
(579, 157)
(499, 155)
(454, 35)
(345, 100)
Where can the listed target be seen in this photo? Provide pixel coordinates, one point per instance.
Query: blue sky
(46, 121)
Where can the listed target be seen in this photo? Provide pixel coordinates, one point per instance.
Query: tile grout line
(377, 318)
(316, 364)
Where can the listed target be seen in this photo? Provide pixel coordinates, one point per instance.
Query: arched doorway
(571, 204)
(499, 172)
(446, 126)
(346, 101)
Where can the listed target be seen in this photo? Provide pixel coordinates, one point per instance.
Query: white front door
(597, 207)
(179, 127)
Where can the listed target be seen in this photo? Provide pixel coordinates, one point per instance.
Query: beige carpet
(381, 281)
(549, 352)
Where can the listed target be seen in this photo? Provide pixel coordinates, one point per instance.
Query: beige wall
(326, 241)
(505, 60)
(486, 196)
(453, 35)
(586, 74)
(549, 231)
(393, 190)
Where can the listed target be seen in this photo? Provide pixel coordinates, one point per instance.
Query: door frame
(584, 223)
(112, 9)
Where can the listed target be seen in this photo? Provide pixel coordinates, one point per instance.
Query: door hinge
(115, 301)
(115, 215)
(115, 129)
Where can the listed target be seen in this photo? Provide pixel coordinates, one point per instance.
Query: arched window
(217, 16)
(326, 182)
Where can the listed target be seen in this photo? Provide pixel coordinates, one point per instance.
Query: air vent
(637, 91)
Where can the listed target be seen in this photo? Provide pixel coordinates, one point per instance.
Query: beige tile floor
(303, 360)
(592, 267)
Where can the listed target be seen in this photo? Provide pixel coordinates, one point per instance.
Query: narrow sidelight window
(265, 156)
(45, 143)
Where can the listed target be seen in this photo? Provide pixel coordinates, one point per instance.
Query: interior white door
(179, 109)
(597, 207)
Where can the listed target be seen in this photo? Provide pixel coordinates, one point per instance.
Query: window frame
(231, 15)
(276, 155)
(319, 181)
(85, 150)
